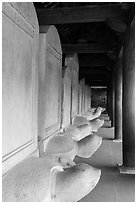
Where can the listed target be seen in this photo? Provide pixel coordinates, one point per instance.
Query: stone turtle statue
(78, 133)
(54, 177)
(96, 124)
(94, 113)
(63, 149)
(43, 180)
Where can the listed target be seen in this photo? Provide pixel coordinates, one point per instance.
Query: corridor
(68, 101)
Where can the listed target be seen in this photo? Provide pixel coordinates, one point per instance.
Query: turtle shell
(60, 144)
(80, 120)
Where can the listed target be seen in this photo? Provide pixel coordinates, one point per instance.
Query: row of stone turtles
(55, 177)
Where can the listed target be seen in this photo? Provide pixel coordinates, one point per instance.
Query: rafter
(80, 14)
(87, 48)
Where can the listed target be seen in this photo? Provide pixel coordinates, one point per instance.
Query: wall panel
(83, 96)
(89, 97)
(72, 63)
(80, 99)
(75, 76)
(19, 88)
(50, 76)
(66, 97)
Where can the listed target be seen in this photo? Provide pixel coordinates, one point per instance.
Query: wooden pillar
(128, 123)
(109, 98)
(118, 97)
(113, 97)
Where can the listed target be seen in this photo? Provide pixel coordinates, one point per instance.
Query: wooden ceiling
(94, 30)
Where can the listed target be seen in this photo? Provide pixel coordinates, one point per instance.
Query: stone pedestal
(126, 170)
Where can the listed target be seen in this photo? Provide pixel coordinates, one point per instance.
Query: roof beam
(93, 77)
(92, 72)
(79, 14)
(87, 48)
(94, 63)
(96, 82)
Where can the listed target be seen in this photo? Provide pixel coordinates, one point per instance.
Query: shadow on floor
(105, 132)
(113, 186)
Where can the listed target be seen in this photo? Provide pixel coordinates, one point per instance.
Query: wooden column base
(126, 170)
(104, 115)
(117, 140)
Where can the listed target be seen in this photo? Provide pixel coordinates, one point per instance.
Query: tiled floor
(113, 186)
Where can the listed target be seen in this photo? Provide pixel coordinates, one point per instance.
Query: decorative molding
(16, 17)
